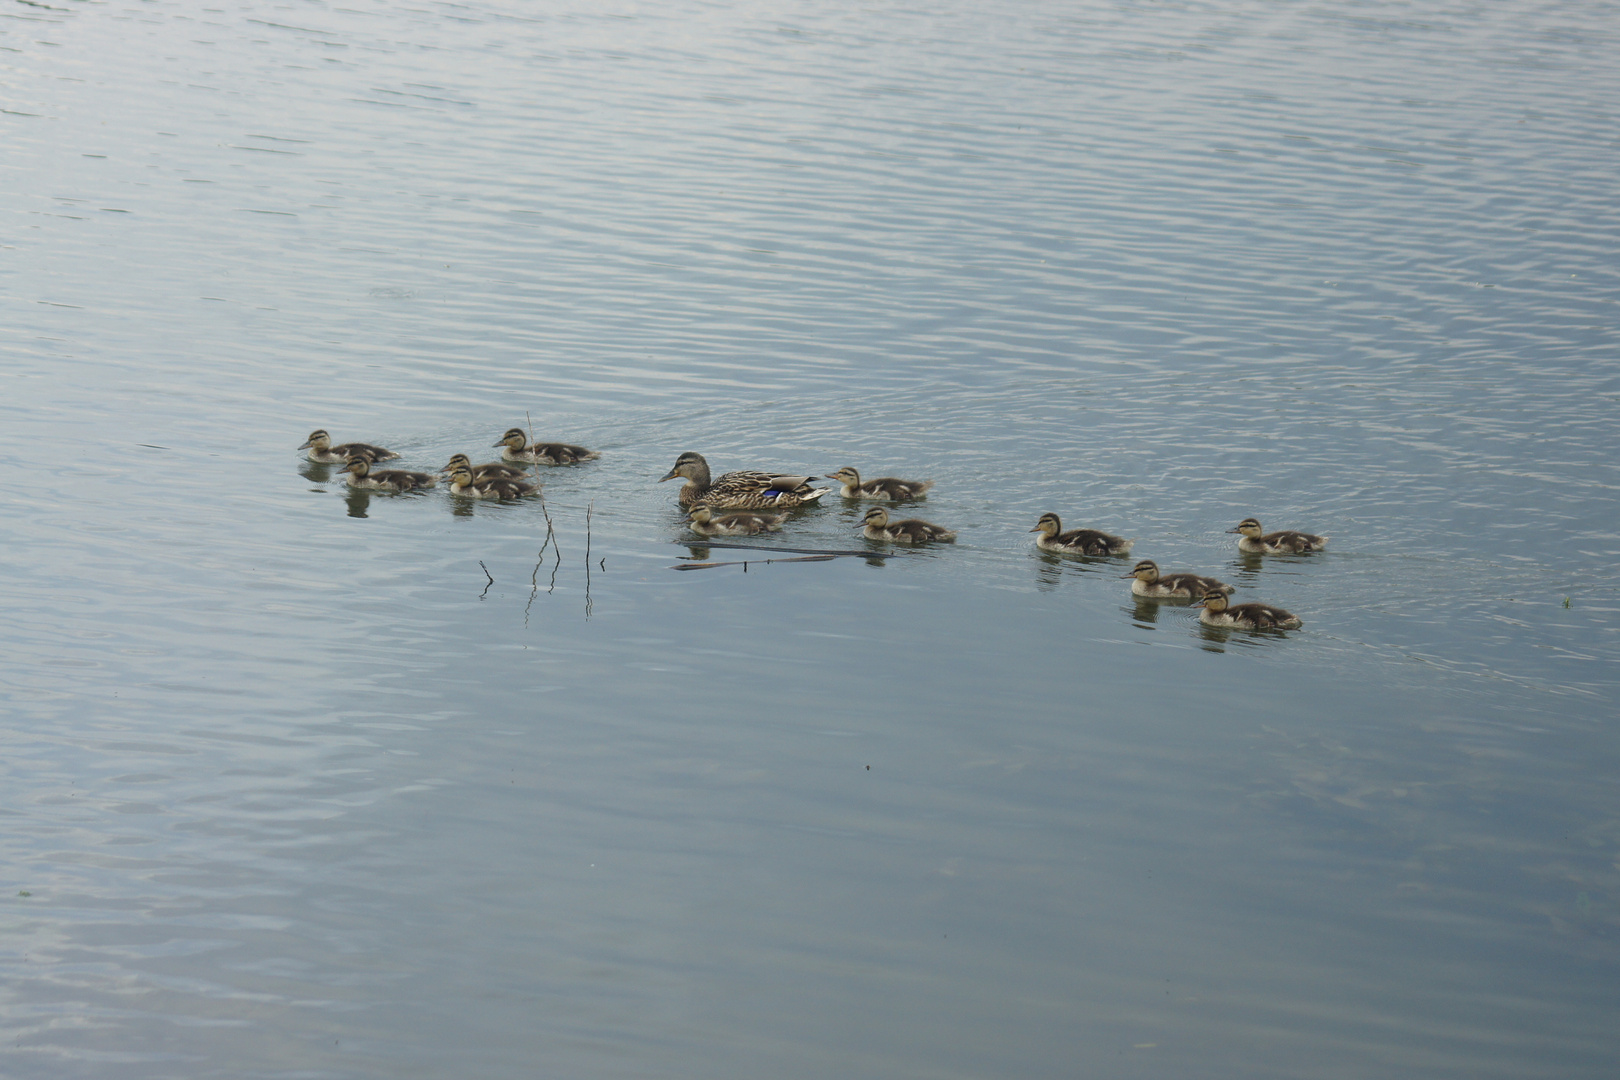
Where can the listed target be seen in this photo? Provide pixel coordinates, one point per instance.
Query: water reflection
(358, 501)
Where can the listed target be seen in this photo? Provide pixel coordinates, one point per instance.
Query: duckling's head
(846, 475)
(359, 465)
(875, 516)
(460, 461)
(1049, 524)
(514, 437)
(1248, 527)
(1146, 571)
(318, 439)
(700, 514)
(461, 476)
(690, 465)
(1214, 600)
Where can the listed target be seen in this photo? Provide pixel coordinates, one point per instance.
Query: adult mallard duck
(490, 470)
(885, 489)
(1284, 542)
(1077, 541)
(513, 449)
(319, 445)
(462, 482)
(745, 489)
(1149, 582)
(877, 526)
(1217, 612)
(361, 476)
(704, 523)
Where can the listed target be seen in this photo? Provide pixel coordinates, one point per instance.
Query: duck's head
(460, 461)
(461, 476)
(846, 475)
(1049, 524)
(690, 465)
(701, 514)
(514, 437)
(318, 439)
(1214, 600)
(358, 465)
(876, 516)
(1146, 571)
(1248, 527)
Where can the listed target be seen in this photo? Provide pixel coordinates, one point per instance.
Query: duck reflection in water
(358, 500)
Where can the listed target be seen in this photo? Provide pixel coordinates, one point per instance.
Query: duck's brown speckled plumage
(1218, 612)
(515, 447)
(1149, 582)
(319, 445)
(877, 526)
(745, 489)
(1285, 542)
(360, 475)
(704, 523)
(1077, 541)
(883, 489)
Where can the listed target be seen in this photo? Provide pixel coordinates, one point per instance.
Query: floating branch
(744, 563)
(487, 574)
(829, 552)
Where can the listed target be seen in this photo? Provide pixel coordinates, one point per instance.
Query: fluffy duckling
(745, 489)
(513, 448)
(1149, 582)
(877, 526)
(1245, 616)
(319, 445)
(704, 523)
(886, 489)
(361, 476)
(462, 482)
(489, 470)
(1077, 541)
(1274, 543)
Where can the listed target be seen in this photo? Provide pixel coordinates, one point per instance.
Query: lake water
(300, 782)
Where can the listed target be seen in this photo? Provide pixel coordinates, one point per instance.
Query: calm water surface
(300, 782)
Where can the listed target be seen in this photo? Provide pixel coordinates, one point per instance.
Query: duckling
(462, 482)
(745, 489)
(361, 476)
(1077, 541)
(1245, 616)
(490, 470)
(1277, 542)
(319, 445)
(877, 526)
(513, 449)
(886, 489)
(1149, 582)
(704, 523)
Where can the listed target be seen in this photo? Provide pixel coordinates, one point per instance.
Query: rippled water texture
(307, 782)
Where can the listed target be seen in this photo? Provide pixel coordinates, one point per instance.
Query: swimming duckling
(361, 476)
(1277, 542)
(887, 488)
(487, 471)
(513, 449)
(1245, 616)
(1077, 541)
(319, 445)
(877, 526)
(1149, 582)
(745, 489)
(704, 523)
(462, 482)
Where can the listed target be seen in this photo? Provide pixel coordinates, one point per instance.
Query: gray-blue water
(293, 788)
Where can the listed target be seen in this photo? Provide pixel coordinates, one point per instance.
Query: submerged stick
(830, 552)
(744, 562)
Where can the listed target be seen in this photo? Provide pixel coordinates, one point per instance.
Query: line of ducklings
(749, 490)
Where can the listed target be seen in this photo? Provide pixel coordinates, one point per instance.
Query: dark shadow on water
(315, 472)
(358, 500)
